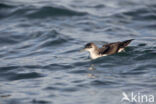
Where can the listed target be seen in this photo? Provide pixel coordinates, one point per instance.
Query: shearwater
(107, 49)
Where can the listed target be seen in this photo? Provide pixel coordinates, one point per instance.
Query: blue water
(40, 62)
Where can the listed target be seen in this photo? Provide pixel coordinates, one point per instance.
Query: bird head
(89, 47)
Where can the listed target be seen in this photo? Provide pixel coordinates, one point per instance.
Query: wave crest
(53, 11)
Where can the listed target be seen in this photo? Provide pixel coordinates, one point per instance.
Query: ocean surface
(40, 40)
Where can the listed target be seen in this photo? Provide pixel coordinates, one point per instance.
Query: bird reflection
(92, 68)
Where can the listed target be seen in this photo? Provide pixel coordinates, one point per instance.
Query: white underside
(121, 49)
(94, 56)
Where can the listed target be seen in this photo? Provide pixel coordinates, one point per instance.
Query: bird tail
(125, 43)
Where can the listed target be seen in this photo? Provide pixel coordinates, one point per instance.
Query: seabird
(107, 49)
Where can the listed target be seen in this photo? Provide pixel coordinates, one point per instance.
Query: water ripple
(35, 12)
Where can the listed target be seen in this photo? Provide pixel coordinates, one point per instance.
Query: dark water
(40, 62)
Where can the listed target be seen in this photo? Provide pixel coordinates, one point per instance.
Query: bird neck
(94, 53)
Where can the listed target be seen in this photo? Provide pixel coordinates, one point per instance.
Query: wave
(21, 76)
(53, 11)
(5, 10)
(8, 73)
(4, 6)
(35, 12)
(52, 38)
(142, 13)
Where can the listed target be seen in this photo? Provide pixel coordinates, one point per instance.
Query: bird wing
(111, 48)
(104, 49)
(125, 43)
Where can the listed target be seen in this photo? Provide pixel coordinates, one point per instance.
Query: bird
(106, 49)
